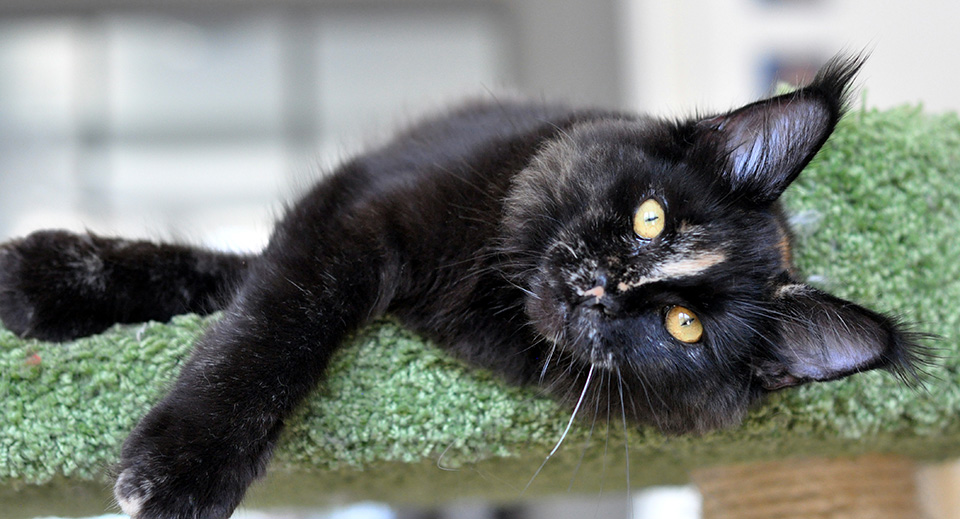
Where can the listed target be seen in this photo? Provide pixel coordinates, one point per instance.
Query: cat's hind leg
(57, 285)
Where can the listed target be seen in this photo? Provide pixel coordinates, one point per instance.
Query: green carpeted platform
(877, 217)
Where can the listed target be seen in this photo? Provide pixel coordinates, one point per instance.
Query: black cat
(546, 243)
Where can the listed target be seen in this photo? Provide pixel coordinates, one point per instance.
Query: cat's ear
(822, 337)
(765, 145)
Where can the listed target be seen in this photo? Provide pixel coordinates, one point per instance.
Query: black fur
(504, 232)
(56, 286)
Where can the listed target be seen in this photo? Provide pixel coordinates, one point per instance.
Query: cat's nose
(597, 292)
(597, 296)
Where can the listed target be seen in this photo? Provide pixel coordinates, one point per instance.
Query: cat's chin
(586, 341)
(577, 333)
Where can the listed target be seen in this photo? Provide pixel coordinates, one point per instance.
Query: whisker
(626, 438)
(440, 459)
(586, 443)
(576, 408)
(546, 364)
(646, 394)
(606, 444)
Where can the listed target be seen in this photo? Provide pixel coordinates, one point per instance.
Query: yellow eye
(648, 221)
(683, 325)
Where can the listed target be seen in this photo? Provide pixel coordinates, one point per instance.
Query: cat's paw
(50, 282)
(146, 492)
(16, 311)
(174, 468)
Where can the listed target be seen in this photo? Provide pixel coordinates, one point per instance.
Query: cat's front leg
(196, 452)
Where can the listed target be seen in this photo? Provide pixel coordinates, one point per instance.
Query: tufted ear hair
(822, 337)
(767, 143)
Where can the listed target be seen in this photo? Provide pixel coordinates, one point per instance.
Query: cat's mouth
(579, 332)
(587, 339)
(576, 322)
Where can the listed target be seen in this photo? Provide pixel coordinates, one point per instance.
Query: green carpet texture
(398, 420)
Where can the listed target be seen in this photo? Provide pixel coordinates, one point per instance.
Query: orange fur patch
(786, 251)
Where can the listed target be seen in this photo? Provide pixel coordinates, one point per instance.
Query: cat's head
(656, 261)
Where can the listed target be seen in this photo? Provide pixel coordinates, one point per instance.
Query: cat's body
(545, 243)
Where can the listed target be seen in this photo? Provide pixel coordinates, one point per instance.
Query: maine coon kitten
(543, 242)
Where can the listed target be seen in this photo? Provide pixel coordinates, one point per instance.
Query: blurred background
(195, 120)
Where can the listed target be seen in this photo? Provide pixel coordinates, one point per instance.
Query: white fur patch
(691, 266)
(676, 269)
(130, 504)
(789, 290)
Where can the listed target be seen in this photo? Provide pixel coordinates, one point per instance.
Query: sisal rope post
(869, 487)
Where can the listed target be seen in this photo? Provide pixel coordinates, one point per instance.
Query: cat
(546, 243)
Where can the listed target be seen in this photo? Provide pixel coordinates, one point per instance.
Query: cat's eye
(648, 220)
(683, 324)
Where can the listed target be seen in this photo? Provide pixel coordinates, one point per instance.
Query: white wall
(686, 54)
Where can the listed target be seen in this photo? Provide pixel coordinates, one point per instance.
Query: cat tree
(877, 218)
